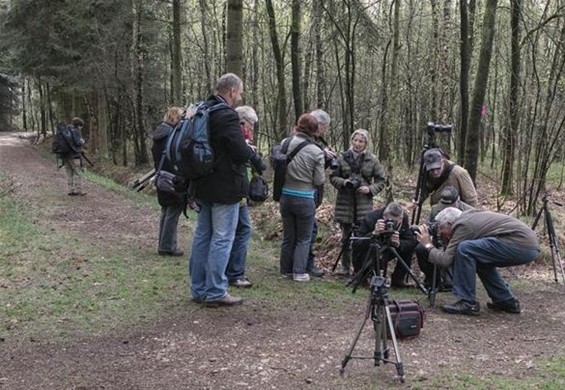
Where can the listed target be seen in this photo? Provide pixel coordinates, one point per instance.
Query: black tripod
(421, 183)
(377, 248)
(553, 241)
(378, 310)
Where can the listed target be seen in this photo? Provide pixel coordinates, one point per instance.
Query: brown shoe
(226, 300)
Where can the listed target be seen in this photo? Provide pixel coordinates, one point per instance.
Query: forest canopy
(492, 68)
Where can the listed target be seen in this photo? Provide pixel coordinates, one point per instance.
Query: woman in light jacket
(297, 205)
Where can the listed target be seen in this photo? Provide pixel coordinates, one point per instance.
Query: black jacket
(228, 182)
(407, 239)
(159, 136)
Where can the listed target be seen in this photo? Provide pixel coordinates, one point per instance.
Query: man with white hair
(479, 242)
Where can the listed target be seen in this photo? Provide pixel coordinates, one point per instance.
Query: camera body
(353, 183)
(436, 128)
(433, 230)
(389, 226)
(334, 164)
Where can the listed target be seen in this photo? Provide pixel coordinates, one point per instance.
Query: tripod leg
(554, 245)
(433, 290)
(409, 271)
(398, 363)
(347, 357)
(379, 325)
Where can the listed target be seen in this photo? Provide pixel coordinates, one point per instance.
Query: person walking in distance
(72, 160)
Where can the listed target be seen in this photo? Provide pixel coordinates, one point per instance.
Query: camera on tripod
(435, 128)
(353, 183)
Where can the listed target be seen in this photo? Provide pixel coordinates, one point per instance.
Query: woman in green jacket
(358, 178)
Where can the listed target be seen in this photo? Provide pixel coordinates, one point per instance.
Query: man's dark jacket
(407, 239)
(160, 135)
(228, 182)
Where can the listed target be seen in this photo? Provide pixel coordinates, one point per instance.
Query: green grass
(56, 285)
(546, 374)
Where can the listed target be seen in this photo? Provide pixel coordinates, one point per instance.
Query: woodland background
(492, 68)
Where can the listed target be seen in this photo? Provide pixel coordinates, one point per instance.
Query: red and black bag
(407, 317)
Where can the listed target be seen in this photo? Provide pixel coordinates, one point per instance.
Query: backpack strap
(294, 151)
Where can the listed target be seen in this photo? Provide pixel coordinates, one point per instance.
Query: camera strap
(445, 174)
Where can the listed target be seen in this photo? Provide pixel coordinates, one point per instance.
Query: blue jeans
(298, 218)
(238, 255)
(482, 256)
(211, 246)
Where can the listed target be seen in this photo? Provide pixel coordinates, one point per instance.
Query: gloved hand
(258, 164)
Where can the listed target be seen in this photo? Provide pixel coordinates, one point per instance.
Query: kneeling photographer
(478, 242)
(358, 177)
(449, 198)
(390, 224)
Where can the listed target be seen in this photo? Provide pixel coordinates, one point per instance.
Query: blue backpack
(188, 146)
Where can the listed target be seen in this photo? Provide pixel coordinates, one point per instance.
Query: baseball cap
(449, 195)
(432, 159)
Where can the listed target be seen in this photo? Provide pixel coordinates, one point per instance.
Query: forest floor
(284, 336)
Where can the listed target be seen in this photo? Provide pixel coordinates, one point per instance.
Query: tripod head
(546, 199)
(372, 262)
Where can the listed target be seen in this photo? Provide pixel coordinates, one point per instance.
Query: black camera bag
(407, 317)
(258, 189)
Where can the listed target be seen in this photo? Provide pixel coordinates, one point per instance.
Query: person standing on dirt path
(72, 160)
(172, 204)
(479, 242)
(238, 256)
(219, 195)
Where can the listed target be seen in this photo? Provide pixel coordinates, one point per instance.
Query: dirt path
(255, 346)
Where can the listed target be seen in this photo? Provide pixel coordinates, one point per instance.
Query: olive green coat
(371, 174)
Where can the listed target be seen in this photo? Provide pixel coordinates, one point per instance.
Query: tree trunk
(138, 63)
(279, 62)
(481, 80)
(295, 54)
(465, 56)
(176, 54)
(234, 38)
(514, 115)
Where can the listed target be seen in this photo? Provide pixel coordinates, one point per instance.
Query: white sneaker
(300, 277)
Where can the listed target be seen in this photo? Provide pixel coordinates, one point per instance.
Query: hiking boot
(226, 300)
(462, 307)
(175, 253)
(300, 277)
(509, 306)
(241, 282)
(316, 272)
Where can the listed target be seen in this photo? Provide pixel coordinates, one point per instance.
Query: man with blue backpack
(218, 194)
(67, 145)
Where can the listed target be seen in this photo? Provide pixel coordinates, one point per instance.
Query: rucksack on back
(188, 146)
(280, 161)
(62, 140)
